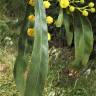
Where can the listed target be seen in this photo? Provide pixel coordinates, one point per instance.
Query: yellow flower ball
(49, 36)
(49, 19)
(64, 3)
(32, 2)
(72, 8)
(31, 17)
(91, 4)
(82, 1)
(85, 13)
(93, 10)
(46, 4)
(30, 32)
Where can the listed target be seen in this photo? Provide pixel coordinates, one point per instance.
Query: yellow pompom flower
(49, 19)
(46, 4)
(93, 10)
(31, 17)
(91, 4)
(82, 1)
(30, 32)
(72, 8)
(64, 3)
(49, 36)
(32, 2)
(85, 13)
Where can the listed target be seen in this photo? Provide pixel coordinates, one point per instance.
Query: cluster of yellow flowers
(69, 5)
(31, 31)
(72, 5)
(31, 18)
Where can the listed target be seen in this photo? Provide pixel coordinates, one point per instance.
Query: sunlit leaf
(59, 21)
(38, 68)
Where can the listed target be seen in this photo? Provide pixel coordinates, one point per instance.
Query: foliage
(71, 20)
(63, 86)
(4, 31)
(69, 16)
(12, 8)
(37, 68)
(60, 84)
(7, 84)
(74, 23)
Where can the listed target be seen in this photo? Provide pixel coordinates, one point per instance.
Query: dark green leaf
(67, 25)
(83, 39)
(22, 58)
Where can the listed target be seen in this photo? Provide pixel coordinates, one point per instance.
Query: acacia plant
(31, 66)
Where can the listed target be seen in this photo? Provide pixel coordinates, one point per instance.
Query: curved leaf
(83, 39)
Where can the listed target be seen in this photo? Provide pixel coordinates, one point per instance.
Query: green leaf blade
(59, 21)
(83, 39)
(69, 33)
(39, 66)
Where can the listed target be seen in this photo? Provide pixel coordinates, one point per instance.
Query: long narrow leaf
(83, 39)
(69, 32)
(59, 21)
(39, 66)
(21, 61)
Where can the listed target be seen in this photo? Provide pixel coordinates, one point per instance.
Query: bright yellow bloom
(85, 13)
(93, 10)
(72, 8)
(49, 36)
(64, 3)
(91, 4)
(46, 4)
(49, 19)
(82, 1)
(31, 17)
(32, 2)
(30, 32)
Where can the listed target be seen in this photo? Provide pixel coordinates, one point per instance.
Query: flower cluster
(31, 18)
(69, 6)
(78, 5)
(31, 31)
(74, 5)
